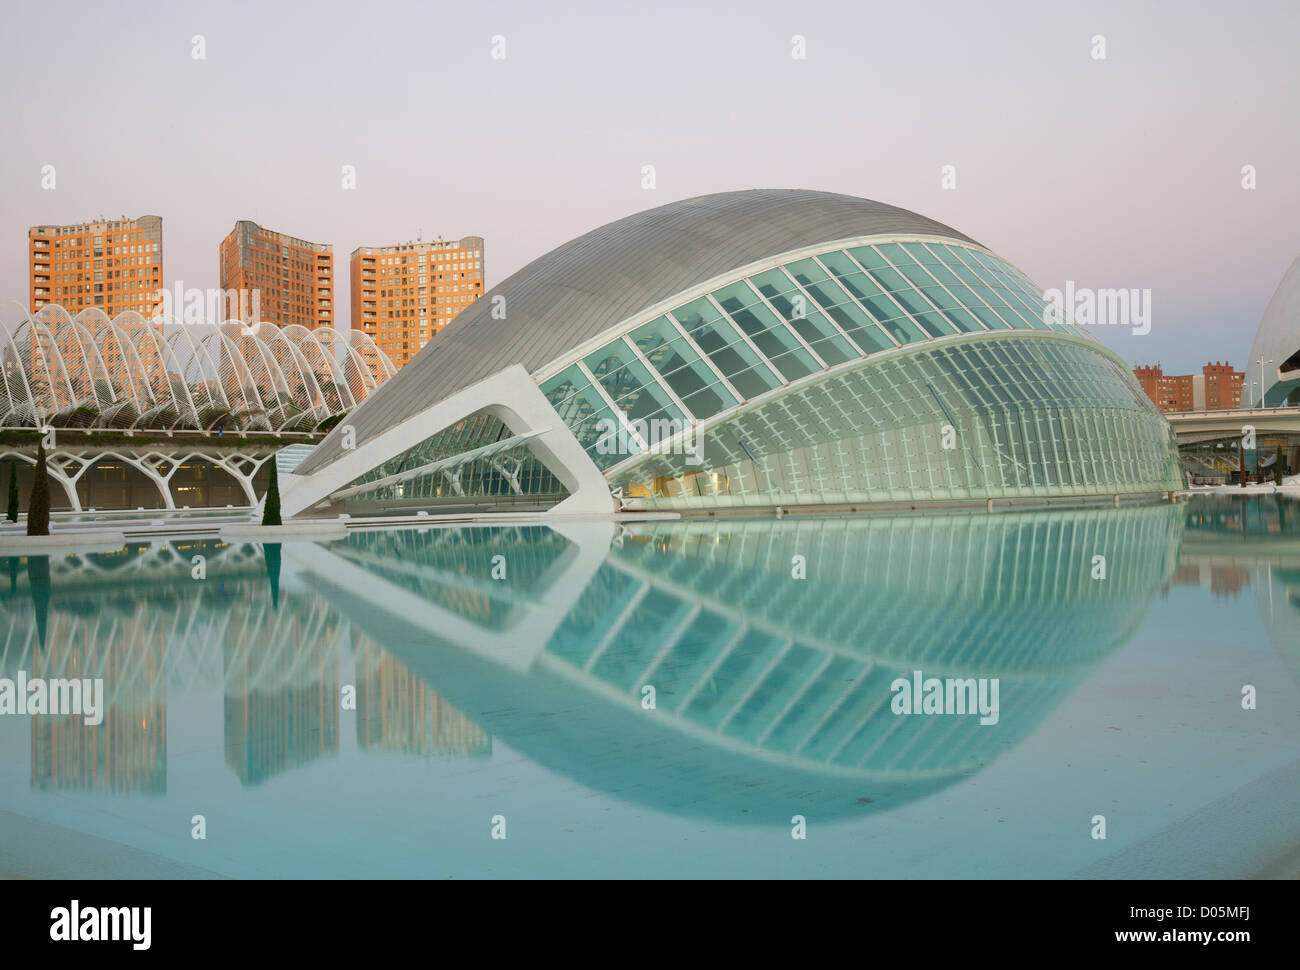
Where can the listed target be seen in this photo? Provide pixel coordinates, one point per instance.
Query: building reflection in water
(127, 752)
(397, 711)
(772, 692)
(137, 619)
(769, 689)
(1228, 538)
(281, 668)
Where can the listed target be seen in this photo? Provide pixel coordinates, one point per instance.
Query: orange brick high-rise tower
(402, 295)
(115, 265)
(293, 279)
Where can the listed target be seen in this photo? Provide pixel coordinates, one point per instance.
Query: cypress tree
(271, 551)
(13, 492)
(271, 509)
(38, 582)
(38, 503)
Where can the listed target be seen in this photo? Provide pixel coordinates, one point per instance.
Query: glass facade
(761, 333)
(779, 671)
(507, 475)
(899, 369)
(1015, 416)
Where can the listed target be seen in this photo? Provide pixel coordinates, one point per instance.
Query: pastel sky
(1123, 172)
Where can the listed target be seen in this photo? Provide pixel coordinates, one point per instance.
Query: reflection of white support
(374, 598)
(510, 395)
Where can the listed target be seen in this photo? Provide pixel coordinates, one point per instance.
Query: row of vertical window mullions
(436, 446)
(1036, 473)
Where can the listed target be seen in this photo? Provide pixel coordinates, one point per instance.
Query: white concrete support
(510, 395)
(241, 467)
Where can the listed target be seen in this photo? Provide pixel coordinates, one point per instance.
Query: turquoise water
(377, 706)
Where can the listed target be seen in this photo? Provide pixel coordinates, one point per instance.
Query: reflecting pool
(671, 699)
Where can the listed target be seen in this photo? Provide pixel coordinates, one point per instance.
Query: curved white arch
(161, 373)
(122, 360)
(304, 391)
(18, 406)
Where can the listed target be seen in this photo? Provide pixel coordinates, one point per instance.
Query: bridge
(1194, 427)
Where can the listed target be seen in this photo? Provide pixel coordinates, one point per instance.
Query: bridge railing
(1226, 412)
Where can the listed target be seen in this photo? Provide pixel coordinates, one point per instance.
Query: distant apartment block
(115, 265)
(287, 280)
(402, 295)
(1217, 387)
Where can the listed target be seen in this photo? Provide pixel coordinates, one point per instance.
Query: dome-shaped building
(749, 349)
(1277, 343)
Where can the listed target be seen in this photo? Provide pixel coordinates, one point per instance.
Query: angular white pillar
(510, 395)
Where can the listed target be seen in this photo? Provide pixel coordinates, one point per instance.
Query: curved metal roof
(1278, 337)
(586, 286)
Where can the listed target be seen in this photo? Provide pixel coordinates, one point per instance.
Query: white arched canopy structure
(162, 373)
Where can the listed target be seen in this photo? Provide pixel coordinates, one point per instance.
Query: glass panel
(957, 316)
(590, 419)
(935, 325)
(889, 280)
(633, 390)
(920, 253)
(736, 296)
(682, 368)
(774, 339)
(819, 332)
(895, 253)
(943, 274)
(774, 281)
(697, 314)
(565, 385)
(871, 340)
(869, 258)
(848, 273)
(720, 340)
